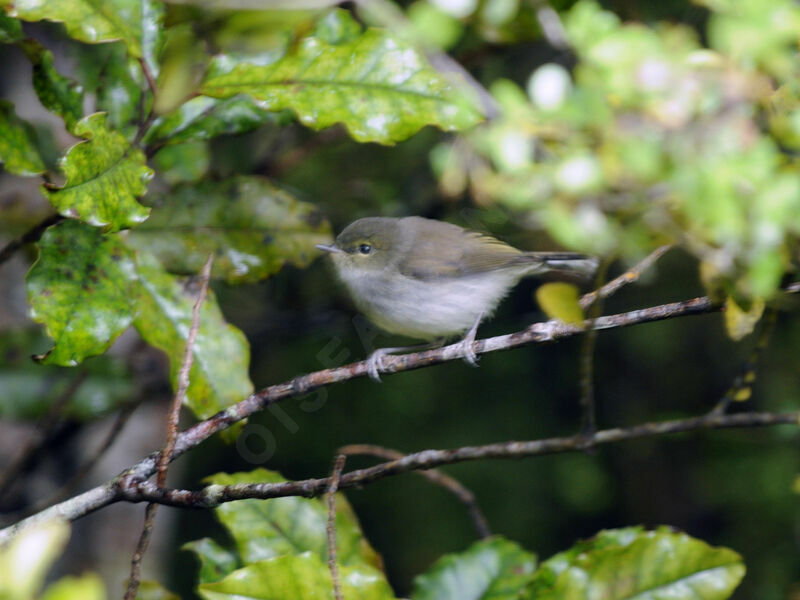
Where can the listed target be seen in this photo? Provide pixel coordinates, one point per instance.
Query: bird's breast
(427, 309)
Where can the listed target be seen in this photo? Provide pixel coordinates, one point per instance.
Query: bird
(432, 280)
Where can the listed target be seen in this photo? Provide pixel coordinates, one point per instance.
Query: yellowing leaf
(132, 21)
(559, 300)
(105, 175)
(81, 289)
(739, 322)
(25, 560)
(86, 587)
(18, 152)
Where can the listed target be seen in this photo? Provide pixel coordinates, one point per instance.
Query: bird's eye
(365, 248)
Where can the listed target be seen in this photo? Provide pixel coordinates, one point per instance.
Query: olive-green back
(440, 250)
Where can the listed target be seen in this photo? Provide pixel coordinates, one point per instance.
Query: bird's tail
(566, 264)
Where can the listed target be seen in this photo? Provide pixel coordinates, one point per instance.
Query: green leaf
(295, 576)
(18, 149)
(251, 226)
(135, 22)
(379, 87)
(57, 93)
(560, 301)
(10, 29)
(215, 561)
(218, 377)
(739, 323)
(493, 568)
(104, 177)
(86, 587)
(25, 560)
(647, 565)
(81, 288)
(119, 90)
(183, 61)
(28, 394)
(550, 569)
(203, 118)
(152, 590)
(337, 26)
(179, 163)
(268, 528)
(30, 389)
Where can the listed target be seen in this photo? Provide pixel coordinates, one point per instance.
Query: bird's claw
(467, 353)
(375, 364)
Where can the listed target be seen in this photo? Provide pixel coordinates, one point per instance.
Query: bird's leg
(465, 345)
(375, 360)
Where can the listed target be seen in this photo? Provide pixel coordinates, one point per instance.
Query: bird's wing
(455, 252)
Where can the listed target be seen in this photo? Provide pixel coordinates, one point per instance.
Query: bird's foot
(465, 346)
(375, 363)
(375, 360)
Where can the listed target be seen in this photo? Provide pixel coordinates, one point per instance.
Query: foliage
(24, 563)
(281, 552)
(187, 128)
(606, 158)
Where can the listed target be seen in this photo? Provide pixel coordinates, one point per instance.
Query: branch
(172, 432)
(214, 495)
(451, 484)
(30, 236)
(627, 277)
(124, 485)
(330, 529)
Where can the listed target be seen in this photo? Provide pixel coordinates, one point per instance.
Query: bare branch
(742, 385)
(183, 375)
(172, 433)
(627, 277)
(586, 362)
(451, 484)
(215, 495)
(124, 486)
(30, 236)
(330, 529)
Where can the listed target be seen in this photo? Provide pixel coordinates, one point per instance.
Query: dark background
(731, 488)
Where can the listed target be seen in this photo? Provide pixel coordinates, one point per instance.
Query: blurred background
(731, 488)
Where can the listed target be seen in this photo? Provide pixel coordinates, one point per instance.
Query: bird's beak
(329, 248)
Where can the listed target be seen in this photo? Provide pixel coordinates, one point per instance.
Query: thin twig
(45, 427)
(148, 75)
(183, 374)
(330, 529)
(125, 485)
(627, 277)
(30, 236)
(586, 364)
(741, 388)
(212, 496)
(452, 485)
(172, 433)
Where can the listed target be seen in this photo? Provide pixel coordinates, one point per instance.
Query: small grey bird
(432, 280)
